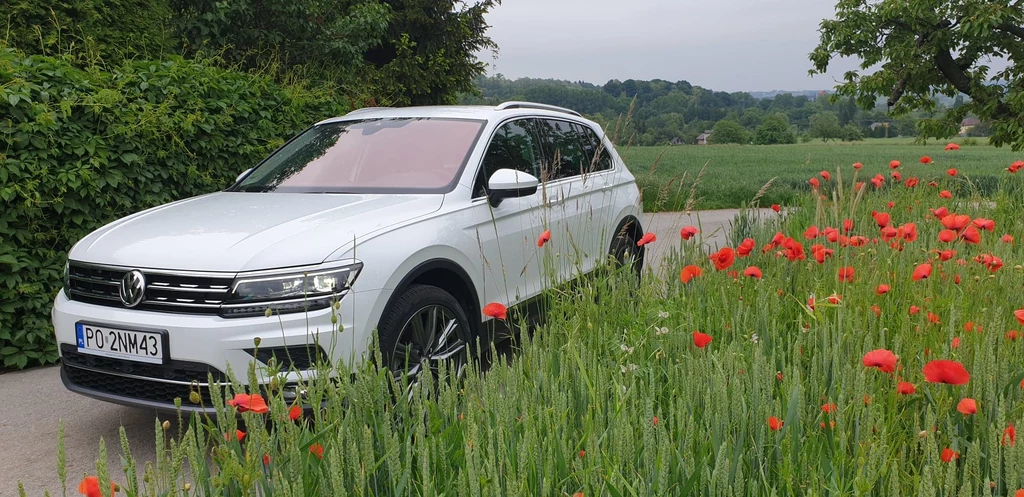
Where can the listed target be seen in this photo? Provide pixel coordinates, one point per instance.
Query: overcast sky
(723, 45)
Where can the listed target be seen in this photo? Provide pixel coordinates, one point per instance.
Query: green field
(735, 173)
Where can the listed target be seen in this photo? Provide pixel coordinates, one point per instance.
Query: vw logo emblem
(133, 287)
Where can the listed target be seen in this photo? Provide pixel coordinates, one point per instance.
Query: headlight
(290, 292)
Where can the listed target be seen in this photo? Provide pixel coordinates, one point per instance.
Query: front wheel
(625, 253)
(425, 327)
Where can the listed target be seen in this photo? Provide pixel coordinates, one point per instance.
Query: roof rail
(366, 109)
(531, 105)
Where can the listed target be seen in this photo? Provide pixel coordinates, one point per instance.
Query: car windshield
(394, 155)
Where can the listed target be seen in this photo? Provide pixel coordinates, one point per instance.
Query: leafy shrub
(80, 148)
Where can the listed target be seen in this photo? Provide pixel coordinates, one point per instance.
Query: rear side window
(514, 146)
(563, 150)
(594, 152)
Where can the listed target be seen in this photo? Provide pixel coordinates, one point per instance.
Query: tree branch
(962, 82)
(1011, 29)
(897, 91)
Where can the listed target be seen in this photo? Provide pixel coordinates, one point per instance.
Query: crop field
(735, 173)
(861, 343)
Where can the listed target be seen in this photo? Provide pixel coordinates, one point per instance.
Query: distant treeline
(678, 113)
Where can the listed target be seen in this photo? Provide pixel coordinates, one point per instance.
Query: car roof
(486, 112)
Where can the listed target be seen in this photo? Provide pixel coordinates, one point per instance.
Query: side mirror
(509, 183)
(240, 176)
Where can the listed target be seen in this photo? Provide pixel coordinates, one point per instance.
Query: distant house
(967, 124)
(676, 141)
(702, 139)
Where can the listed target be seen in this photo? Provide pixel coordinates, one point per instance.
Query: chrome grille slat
(166, 291)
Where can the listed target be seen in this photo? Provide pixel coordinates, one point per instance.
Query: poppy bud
(922, 434)
(268, 313)
(166, 425)
(256, 341)
(194, 397)
(187, 487)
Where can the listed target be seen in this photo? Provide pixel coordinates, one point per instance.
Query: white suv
(407, 221)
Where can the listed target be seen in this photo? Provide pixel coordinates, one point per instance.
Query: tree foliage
(825, 125)
(923, 47)
(729, 131)
(774, 130)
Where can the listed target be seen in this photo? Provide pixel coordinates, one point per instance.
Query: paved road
(35, 401)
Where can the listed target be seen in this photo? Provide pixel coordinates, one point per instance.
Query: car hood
(233, 231)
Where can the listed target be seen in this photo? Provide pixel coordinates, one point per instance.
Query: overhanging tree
(923, 47)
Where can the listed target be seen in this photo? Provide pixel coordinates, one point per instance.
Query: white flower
(754, 338)
(628, 350)
(629, 367)
(661, 331)
(663, 314)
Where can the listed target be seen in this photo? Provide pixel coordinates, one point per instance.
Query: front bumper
(201, 349)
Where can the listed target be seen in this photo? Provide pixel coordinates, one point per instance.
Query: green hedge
(80, 148)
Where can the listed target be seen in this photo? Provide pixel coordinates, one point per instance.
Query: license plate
(132, 345)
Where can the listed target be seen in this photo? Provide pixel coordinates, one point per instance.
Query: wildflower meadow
(865, 340)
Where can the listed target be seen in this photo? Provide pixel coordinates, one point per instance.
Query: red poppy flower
(934, 318)
(933, 184)
(897, 176)
(1010, 435)
(90, 487)
(690, 272)
(776, 207)
(239, 434)
(990, 261)
(688, 232)
(1012, 335)
(1019, 314)
(971, 326)
(971, 235)
(647, 238)
(846, 274)
(952, 146)
(1007, 238)
(545, 237)
(294, 413)
(723, 259)
(745, 247)
(949, 454)
(967, 406)
(947, 236)
(914, 310)
(317, 450)
(245, 402)
(775, 424)
(888, 233)
(828, 408)
(835, 299)
(951, 171)
(883, 359)
(894, 164)
(956, 343)
(984, 224)
(945, 255)
(847, 225)
(655, 421)
(876, 310)
(945, 194)
(752, 272)
(701, 340)
(857, 165)
(495, 310)
(811, 233)
(266, 459)
(905, 388)
(956, 222)
(882, 289)
(878, 180)
(922, 271)
(926, 160)
(825, 175)
(912, 182)
(881, 218)
(814, 183)
(945, 371)
(1016, 166)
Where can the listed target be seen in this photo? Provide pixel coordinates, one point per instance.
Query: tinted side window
(594, 152)
(563, 152)
(512, 147)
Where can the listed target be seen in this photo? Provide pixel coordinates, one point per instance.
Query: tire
(624, 251)
(416, 327)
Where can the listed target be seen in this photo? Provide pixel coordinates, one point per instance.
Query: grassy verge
(617, 395)
(735, 173)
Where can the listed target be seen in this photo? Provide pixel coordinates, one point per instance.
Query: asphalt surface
(34, 402)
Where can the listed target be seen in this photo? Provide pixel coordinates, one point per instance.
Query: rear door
(514, 266)
(578, 172)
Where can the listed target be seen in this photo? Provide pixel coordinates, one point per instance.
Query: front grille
(178, 371)
(153, 382)
(188, 293)
(134, 388)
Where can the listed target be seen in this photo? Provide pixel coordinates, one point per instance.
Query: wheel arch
(447, 275)
(630, 225)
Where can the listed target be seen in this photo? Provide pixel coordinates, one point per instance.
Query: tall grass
(611, 396)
